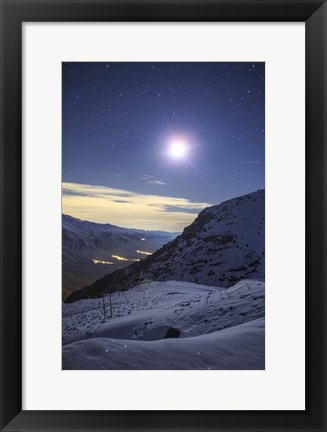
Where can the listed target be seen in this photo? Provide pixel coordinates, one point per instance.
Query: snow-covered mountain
(91, 250)
(224, 245)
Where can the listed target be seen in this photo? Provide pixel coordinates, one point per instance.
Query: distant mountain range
(224, 244)
(91, 250)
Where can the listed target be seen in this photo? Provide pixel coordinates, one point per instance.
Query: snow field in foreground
(219, 328)
(239, 347)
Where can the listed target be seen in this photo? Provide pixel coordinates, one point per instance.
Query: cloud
(149, 179)
(127, 208)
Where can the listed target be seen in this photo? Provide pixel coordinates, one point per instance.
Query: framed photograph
(163, 215)
(188, 270)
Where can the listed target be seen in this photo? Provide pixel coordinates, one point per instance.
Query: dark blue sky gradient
(118, 119)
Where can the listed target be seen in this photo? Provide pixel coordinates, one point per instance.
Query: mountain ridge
(223, 245)
(91, 250)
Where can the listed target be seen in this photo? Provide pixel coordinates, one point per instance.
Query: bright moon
(177, 149)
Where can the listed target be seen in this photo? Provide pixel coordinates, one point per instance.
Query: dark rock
(173, 333)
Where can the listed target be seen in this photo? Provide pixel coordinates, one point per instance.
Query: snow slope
(146, 311)
(224, 244)
(240, 347)
(144, 315)
(83, 242)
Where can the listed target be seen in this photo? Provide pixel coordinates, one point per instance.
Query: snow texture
(218, 328)
(240, 347)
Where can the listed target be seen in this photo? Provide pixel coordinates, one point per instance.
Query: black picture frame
(13, 14)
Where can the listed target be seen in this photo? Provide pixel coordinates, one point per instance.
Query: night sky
(120, 124)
